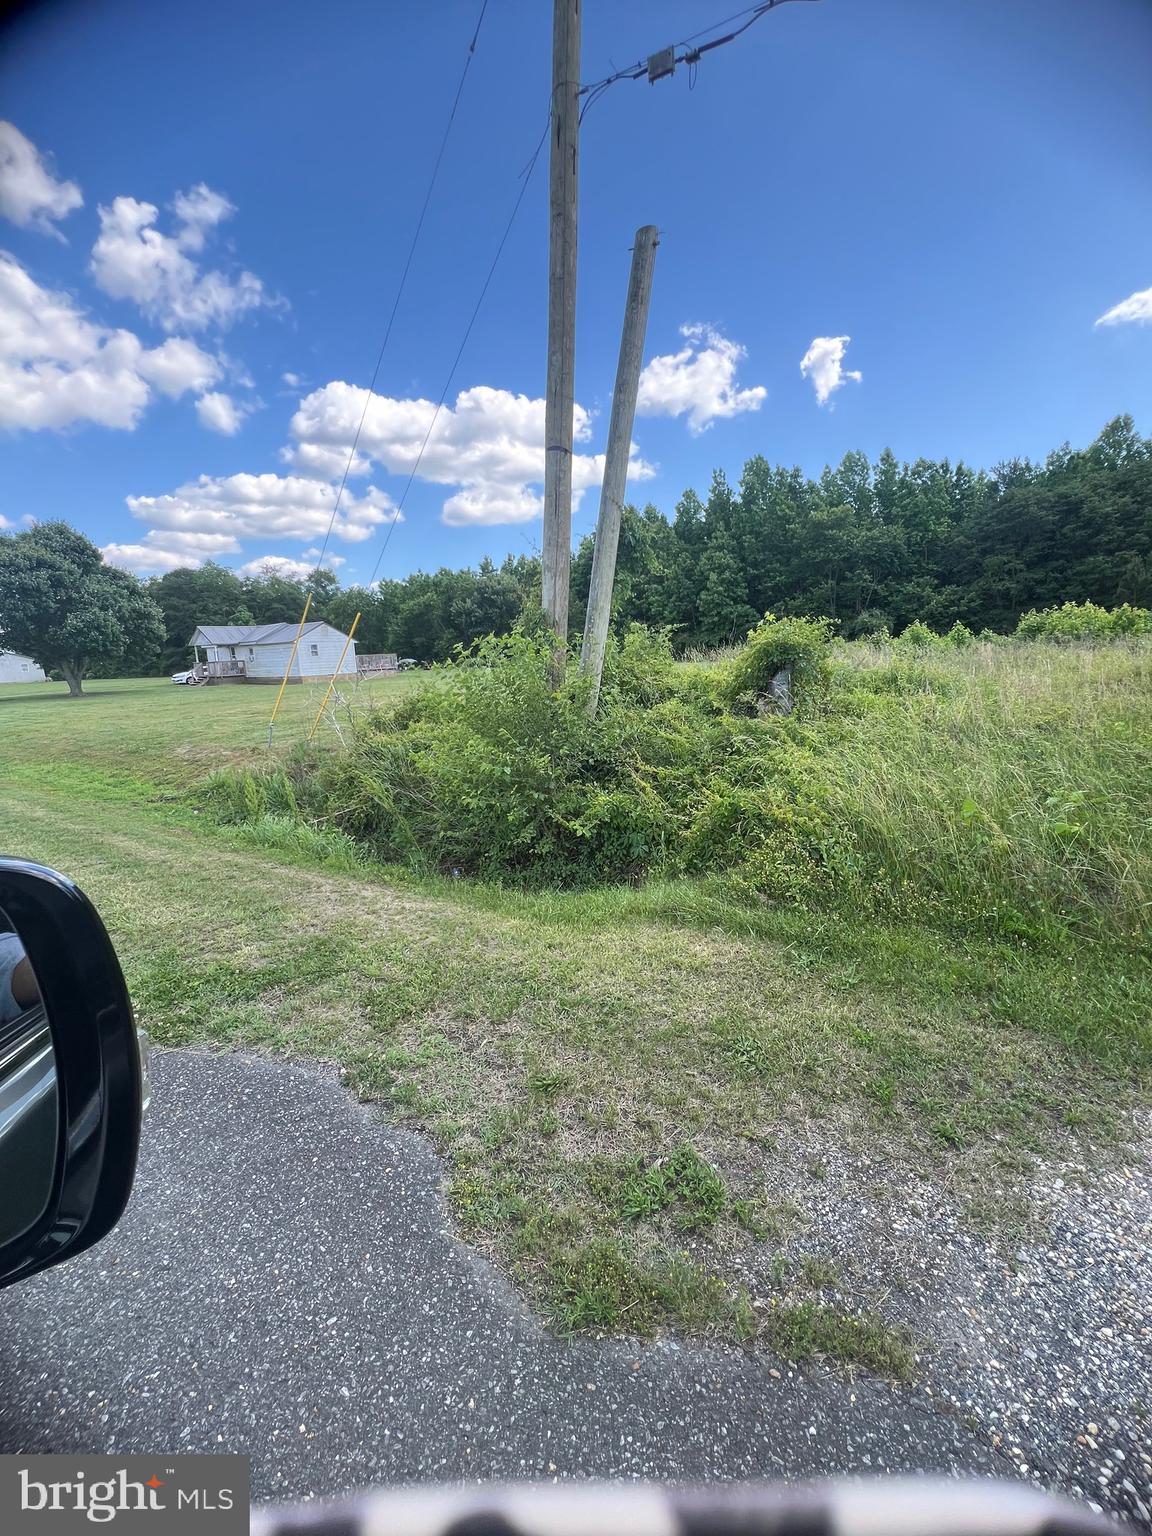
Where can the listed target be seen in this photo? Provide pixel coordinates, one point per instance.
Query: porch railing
(379, 661)
(230, 668)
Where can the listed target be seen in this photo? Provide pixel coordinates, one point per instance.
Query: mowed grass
(610, 1074)
(138, 731)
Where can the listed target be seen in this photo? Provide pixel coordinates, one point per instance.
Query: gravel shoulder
(286, 1283)
(1042, 1348)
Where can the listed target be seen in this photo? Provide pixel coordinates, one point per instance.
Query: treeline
(423, 616)
(871, 545)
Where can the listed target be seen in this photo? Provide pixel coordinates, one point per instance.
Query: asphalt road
(285, 1284)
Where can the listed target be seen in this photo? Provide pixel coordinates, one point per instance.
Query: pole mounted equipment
(662, 64)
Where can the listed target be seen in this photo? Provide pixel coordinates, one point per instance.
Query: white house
(259, 653)
(20, 669)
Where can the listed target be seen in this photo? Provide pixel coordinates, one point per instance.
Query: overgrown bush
(916, 638)
(993, 788)
(1084, 621)
(641, 666)
(798, 644)
(490, 770)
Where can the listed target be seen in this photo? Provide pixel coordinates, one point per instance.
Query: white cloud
(1136, 309)
(166, 550)
(277, 565)
(823, 363)
(335, 561)
(144, 560)
(29, 193)
(58, 368)
(177, 365)
(699, 381)
(263, 506)
(206, 546)
(133, 260)
(4, 522)
(326, 463)
(490, 444)
(291, 379)
(197, 212)
(220, 413)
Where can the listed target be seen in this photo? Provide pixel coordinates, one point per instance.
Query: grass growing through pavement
(607, 1072)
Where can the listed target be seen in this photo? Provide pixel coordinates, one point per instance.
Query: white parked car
(189, 677)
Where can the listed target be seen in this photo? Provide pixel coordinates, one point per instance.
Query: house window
(315, 649)
(251, 654)
(232, 652)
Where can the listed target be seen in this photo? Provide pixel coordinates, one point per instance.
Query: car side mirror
(72, 1073)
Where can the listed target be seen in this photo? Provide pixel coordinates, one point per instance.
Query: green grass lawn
(152, 731)
(607, 1073)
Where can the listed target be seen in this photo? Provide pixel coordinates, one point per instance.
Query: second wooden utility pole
(619, 451)
(556, 554)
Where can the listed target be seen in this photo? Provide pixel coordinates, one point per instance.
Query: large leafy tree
(61, 605)
(723, 608)
(274, 599)
(208, 594)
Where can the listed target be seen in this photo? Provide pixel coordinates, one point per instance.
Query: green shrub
(801, 644)
(916, 638)
(959, 636)
(490, 770)
(1127, 620)
(992, 788)
(641, 666)
(1084, 621)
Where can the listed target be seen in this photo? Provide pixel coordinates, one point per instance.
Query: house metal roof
(253, 634)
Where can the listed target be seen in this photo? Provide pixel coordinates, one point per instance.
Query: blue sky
(208, 208)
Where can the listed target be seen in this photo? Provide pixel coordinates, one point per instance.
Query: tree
(61, 605)
(208, 594)
(272, 598)
(323, 584)
(724, 613)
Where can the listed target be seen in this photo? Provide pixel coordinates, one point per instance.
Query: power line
(663, 63)
(525, 178)
(653, 68)
(715, 27)
(403, 281)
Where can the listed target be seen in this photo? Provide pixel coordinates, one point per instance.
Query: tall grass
(1010, 783)
(1001, 788)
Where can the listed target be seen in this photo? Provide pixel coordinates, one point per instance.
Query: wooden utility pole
(619, 449)
(557, 546)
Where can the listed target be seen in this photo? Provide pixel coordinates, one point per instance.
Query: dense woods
(871, 545)
(884, 544)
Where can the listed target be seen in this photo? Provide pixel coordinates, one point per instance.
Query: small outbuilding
(20, 669)
(259, 653)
